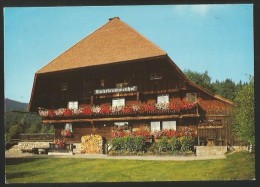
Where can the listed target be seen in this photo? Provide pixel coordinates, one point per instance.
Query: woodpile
(91, 144)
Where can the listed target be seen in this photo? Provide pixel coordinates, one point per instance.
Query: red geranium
(105, 109)
(67, 112)
(66, 133)
(120, 133)
(59, 142)
(87, 111)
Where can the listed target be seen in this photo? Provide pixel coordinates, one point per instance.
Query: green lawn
(237, 166)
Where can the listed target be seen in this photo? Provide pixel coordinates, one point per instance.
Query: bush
(174, 144)
(163, 144)
(128, 144)
(187, 143)
(134, 145)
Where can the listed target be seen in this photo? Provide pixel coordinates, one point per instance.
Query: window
(73, 104)
(68, 126)
(155, 76)
(155, 126)
(191, 97)
(169, 125)
(163, 98)
(102, 83)
(63, 86)
(118, 102)
(122, 85)
(121, 125)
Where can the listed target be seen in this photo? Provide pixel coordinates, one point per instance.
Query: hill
(22, 122)
(15, 105)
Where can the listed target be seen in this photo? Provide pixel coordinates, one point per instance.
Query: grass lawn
(237, 166)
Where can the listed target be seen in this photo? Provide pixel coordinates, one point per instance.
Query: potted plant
(66, 133)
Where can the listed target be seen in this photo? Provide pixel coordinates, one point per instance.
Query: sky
(213, 38)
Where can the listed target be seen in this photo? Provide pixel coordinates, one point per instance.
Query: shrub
(174, 144)
(153, 149)
(128, 144)
(187, 143)
(163, 144)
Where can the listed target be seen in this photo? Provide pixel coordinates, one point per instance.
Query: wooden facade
(141, 79)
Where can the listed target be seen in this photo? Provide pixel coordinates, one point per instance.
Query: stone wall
(210, 150)
(28, 146)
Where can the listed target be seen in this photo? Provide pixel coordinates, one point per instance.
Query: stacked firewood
(91, 144)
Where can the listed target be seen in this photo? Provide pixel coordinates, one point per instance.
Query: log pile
(91, 144)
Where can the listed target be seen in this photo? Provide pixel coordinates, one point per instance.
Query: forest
(18, 120)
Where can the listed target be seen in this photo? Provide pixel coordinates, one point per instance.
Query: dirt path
(18, 154)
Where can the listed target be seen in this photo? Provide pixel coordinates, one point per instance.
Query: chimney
(113, 18)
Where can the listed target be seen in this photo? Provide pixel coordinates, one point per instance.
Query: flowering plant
(162, 106)
(166, 132)
(59, 142)
(120, 133)
(66, 133)
(105, 109)
(143, 133)
(175, 107)
(44, 113)
(96, 109)
(215, 107)
(87, 111)
(187, 131)
(148, 108)
(135, 108)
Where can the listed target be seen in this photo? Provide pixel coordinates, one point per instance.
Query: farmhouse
(116, 78)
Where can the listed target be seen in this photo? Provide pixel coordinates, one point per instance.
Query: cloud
(201, 9)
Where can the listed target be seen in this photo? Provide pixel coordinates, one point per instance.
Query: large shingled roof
(114, 42)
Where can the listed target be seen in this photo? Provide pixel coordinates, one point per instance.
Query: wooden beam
(91, 100)
(65, 121)
(17, 111)
(216, 115)
(132, 118)
(212, 127)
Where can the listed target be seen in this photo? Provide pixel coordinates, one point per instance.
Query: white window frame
(68, 126)
(169, 125)
(122, 85)
(163, 98)
(155, 76)
(64, 86)
(73, 104)
(155, 126)
(117, 102)
(188, 99)
(102, 83)
(121, 124)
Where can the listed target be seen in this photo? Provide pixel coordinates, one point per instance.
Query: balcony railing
(133, 110)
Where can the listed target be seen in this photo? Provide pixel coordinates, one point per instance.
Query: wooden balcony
(127, 113)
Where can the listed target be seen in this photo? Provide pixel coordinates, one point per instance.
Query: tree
(226, 88)
(202, 79)
(243, 118)
(14, 131)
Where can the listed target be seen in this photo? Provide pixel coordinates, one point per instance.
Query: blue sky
(216, 38)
